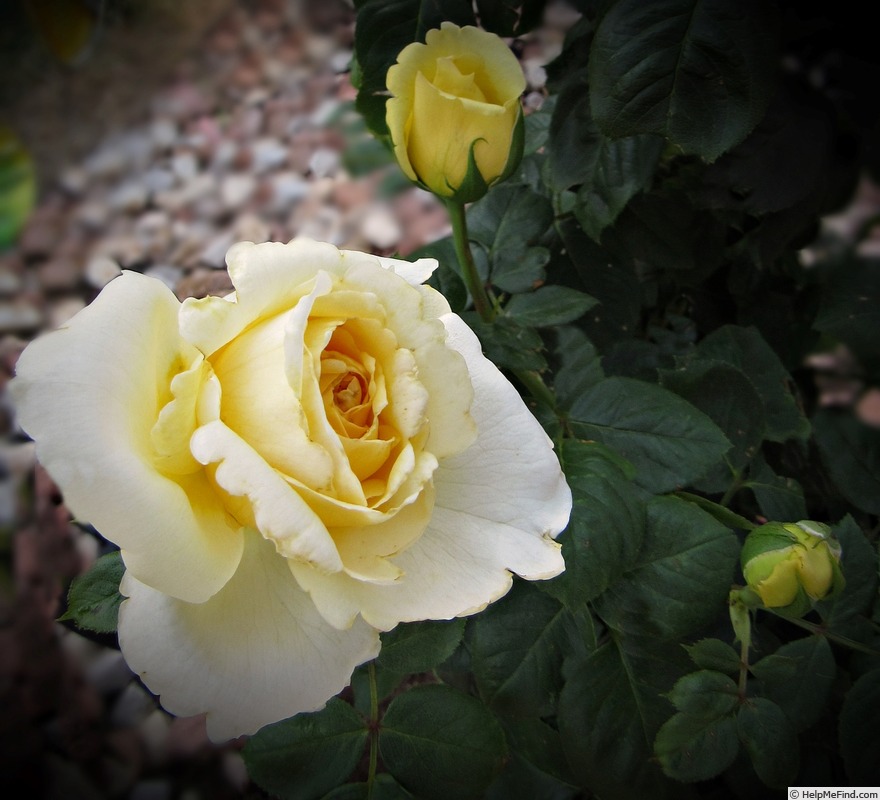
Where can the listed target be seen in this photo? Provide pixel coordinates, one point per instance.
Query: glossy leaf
(851, 452)
(704, 88)
(608, 172)
(440, 743)
(713, 654)
(419, 646)
(747, 350)
(669, 441)
(682, 574)
(859, 734)
(770, 741)
(509, 222)
(609, 713)
(307, 755)
(549, 305)
(779, 498)
(94, 599)
(517, 649)
(725, 395)
(798, 677)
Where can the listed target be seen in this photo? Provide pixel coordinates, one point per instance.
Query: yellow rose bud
(790, 565)
(287, 470)
(455, 116)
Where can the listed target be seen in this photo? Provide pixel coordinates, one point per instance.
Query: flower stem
(374, 729)
(466, 260)
(819, 630)
(741, 620)
(483, 306)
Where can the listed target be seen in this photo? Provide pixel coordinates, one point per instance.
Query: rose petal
(279, 512)
(440, 145)
(90, 395)
(255, 653)
(498, 505)
(441, 370)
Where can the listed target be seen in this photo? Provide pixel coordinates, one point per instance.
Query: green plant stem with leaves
(374, 729)
(483, 304)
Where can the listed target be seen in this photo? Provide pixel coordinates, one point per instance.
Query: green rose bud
(790, 565)
(454, 116)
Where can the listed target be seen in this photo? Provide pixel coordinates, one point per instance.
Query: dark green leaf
(307, 755)
(609, 172)
(538, 744)
(798, 678)
(850, 308)
(859, 732)
(604, 535)
(419, 646)
(517, 650)
(440, 743)
(609, 712)
(715, 655)
(682, 576)
(521, 780)
(699, 72)
(669, 441)
(509, 221)
(858, 562)
(538, 126)
(851, 452)
(579, 366)
(614, 284)
(770, 741)
(94, 599)
(691, 749)
(746, 349)
(384, 788)
(510, 17)
(509, 344)
(584, 459)
(724, 394)
(549, 305)
(782, 163)
(779, 498)
(664, 231)
(705, 695)
(384, 28)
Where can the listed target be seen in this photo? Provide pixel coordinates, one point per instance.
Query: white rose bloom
(289, 470)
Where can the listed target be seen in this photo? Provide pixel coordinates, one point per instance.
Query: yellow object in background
(66, 27)
(18, 186)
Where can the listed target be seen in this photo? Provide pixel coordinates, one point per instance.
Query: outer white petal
(89, 394)
(255, 653)
(499, 505)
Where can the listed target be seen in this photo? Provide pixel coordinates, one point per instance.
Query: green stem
(466, 260)
(732, 490)
(537, 388)
(483, 305)
(820, 631)
(741, 620)
(374, 729)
